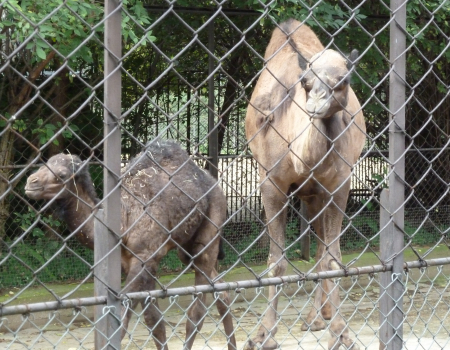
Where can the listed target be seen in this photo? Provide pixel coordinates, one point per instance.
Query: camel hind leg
(138, 279)
(204, 273)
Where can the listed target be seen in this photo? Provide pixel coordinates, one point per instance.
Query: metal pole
(100, 271)
(213, 143)
(263, 282)
(395, 227)
(386, 303)
(112, 150)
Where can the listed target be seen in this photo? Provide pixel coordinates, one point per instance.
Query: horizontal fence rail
(217, 287)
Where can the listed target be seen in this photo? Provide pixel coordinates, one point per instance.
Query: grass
(43, 260)
(39, 294)
(242, 243)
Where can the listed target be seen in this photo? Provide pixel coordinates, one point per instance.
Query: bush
(44, 259)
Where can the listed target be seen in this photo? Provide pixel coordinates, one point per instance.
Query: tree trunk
(230, 94)
(17, 101)
(6, 142)
(60, 104)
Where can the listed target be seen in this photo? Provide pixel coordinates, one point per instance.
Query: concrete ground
(426, 305)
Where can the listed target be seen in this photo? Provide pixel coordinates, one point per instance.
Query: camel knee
(222, 303)
(334, 265)
(197, 309)
(276, 266)
(326, 311)
(152, 315)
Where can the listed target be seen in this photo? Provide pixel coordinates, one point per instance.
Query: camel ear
(302, 62)
(352, 59)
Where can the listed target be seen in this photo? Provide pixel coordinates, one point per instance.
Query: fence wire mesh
(196, 73)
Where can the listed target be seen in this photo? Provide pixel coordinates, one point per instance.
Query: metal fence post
(100, 269)
(112, 159)
(213, 143)
(392, 238)
(386, 303)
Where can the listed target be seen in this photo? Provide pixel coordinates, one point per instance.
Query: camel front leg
(274, 200)
(328, 229)
(338, 328)
(315, 321)
(333, 261)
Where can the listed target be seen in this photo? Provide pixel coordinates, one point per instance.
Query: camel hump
(300, 37)
(159, 154)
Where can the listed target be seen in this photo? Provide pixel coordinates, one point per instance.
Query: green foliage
(379, 181)
(21, 258)
(245, 248)
(362, 231)
(66, 25)
(170, 263)
(323, 14)
(46, 131)
(135, 16)
(71, 23)
(29, 221)
(422, 236)
(35, 250)
(19, 263)
(292, 237)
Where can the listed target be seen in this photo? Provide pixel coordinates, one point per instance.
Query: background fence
(186, 71)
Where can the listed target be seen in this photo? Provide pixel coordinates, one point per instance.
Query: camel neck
(328, 127)
(79, 217)
(313, 141)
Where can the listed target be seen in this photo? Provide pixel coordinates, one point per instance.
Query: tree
(52, 58)
(45, 45)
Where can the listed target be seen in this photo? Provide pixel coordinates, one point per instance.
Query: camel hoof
(317, 325)
(347, 343)
(264, 340)
(269, 344)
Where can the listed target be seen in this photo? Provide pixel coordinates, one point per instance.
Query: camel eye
(306, 84)
(63, 175)
(341, 83)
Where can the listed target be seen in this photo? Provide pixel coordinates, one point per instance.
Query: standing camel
(168, 203)
(306, 130)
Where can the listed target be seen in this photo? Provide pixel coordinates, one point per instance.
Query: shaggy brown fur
(168, 203)
(306, 130)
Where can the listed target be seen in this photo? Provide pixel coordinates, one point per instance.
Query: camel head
(56, 178)
(326, 80)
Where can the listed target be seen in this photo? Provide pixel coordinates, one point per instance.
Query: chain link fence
(100, 81)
